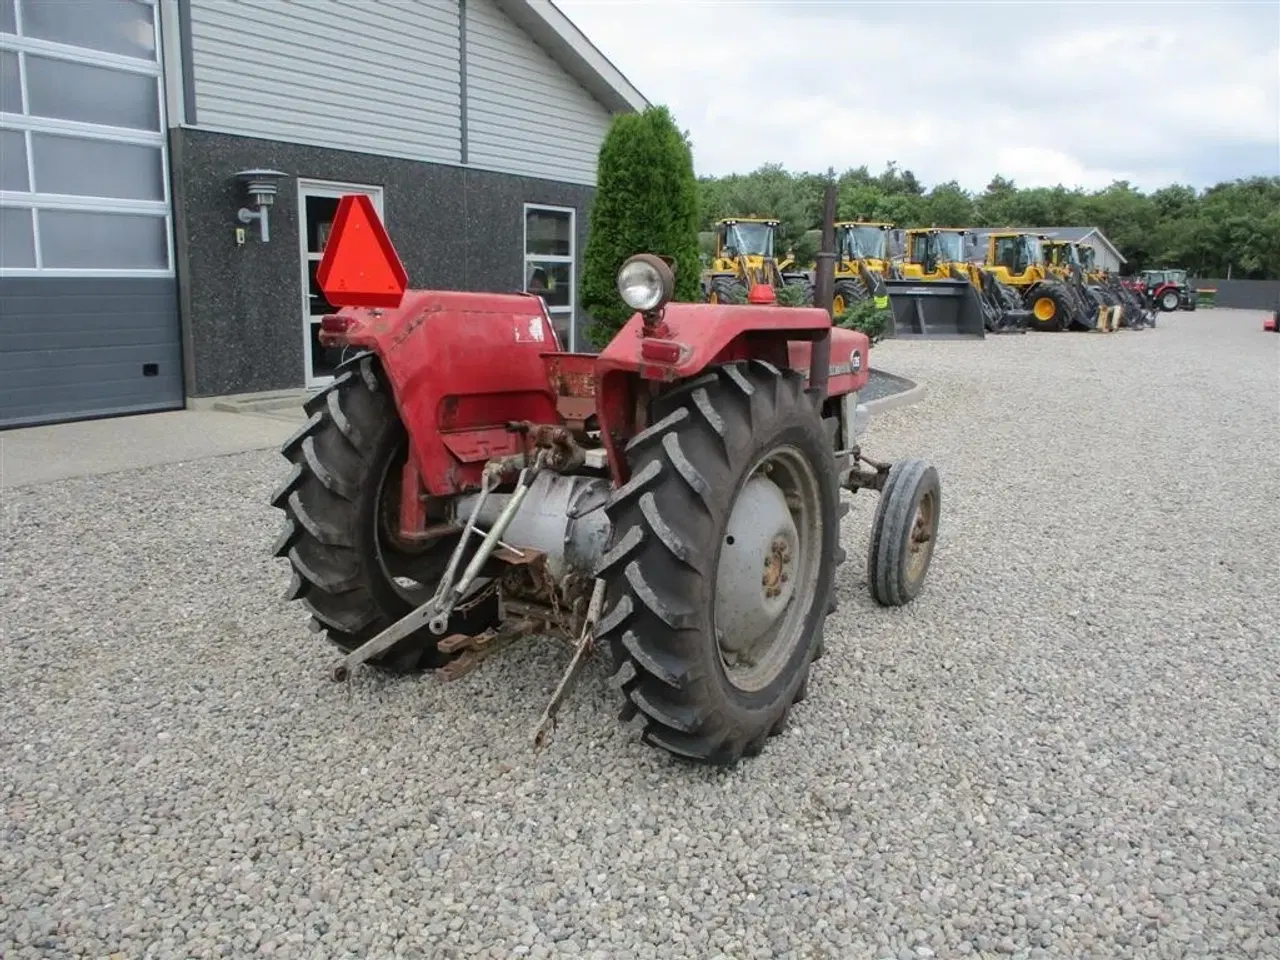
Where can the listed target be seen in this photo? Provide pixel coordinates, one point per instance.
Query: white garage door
(88, 301)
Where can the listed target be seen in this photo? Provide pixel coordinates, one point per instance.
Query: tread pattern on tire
(729, 290)
(851, 289)
(351, 427)
(660, 565)
(1062, 307)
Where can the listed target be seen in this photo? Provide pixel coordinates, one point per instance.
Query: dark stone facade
(454, 228)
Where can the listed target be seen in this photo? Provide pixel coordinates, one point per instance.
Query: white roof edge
(562, 39)
(1103, 237)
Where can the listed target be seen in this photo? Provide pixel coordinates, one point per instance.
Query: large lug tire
(1049, 308)
(846, 293)
(689, 578)
(340, 500)
(1169, 301)
(904, 533)
(727, 290)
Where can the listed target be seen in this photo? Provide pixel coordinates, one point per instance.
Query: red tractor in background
(463, 482)
(1169, 290)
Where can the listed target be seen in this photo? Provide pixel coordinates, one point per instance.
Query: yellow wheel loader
(935, 254)
(863, 260)
(744, 257)
(1017, 259)
(1135, 312)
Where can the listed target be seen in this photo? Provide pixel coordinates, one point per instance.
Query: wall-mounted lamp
(260, 185)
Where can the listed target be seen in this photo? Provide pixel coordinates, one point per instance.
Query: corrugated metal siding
(377, 76)
(525, 114)
(73, 347)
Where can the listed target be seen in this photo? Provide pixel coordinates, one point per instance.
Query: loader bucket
(937, 309)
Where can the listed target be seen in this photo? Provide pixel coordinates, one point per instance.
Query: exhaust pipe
(823, 296)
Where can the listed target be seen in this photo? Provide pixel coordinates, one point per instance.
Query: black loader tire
(660, 572)
(890, 576)
(1048, 293)
(847, 292)
(727, 290)
(352, 438)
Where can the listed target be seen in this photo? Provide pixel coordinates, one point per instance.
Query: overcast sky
(1077, 93)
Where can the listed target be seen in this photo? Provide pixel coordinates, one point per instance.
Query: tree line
(1231, 228)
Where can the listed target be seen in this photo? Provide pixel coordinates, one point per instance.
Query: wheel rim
(1045, 308)
(1170, 300)
(837, 304)
(920, 539)
(397, 563)
(768, 561)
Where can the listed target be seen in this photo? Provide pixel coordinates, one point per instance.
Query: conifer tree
(646, 201)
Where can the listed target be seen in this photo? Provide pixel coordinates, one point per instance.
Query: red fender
(691, 337)
(461, 366)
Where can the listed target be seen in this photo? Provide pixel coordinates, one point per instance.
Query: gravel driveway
(1068, 746)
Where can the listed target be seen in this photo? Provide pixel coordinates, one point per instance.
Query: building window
(550, 241)
(84, 185)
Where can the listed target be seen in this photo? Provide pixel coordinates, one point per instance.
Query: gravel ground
(1067, 747)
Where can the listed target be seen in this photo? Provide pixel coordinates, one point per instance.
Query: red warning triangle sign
(360, 267)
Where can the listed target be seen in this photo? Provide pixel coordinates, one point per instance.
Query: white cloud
(1045, 93)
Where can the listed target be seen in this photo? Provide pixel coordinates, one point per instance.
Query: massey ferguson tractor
(676, 499)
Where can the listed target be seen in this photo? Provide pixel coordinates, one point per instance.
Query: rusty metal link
(473, 650)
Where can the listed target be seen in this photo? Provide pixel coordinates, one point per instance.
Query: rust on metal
(573, 379)
(518, 556)
(775, 567)
(572, 375)
(863, 479)
(563, 453)
(472, 650)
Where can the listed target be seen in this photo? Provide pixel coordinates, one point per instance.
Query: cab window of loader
(865, 243)
(1007, 249)
(950, 247)
(752, 239)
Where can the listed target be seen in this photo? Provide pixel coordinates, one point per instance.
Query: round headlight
(644, 282)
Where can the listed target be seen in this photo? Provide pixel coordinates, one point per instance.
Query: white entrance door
(317, 205)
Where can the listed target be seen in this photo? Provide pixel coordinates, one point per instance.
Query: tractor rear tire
(1049, 308)
(903, 533)
(846, 293)
(1170, 301)
(672, 557)
(346, 571)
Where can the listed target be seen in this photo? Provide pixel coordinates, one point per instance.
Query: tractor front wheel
(720, 571)
(341, 504)
(903, 533)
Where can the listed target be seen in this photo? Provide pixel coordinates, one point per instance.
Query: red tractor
(1168, 290)
(463, 482)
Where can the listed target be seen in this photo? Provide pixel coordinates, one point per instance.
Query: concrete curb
(904, 398)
